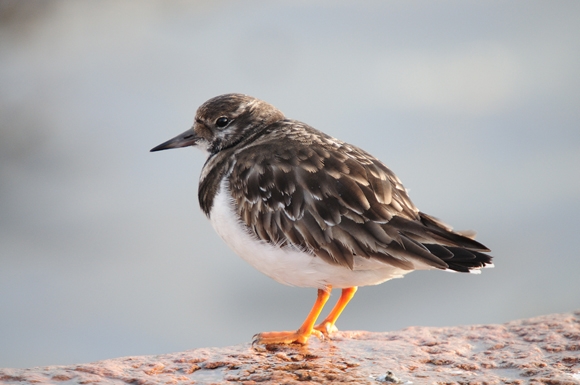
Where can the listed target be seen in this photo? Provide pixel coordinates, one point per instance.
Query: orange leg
(301, 335)
(327, 326)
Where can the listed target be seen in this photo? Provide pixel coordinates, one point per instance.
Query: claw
(255, 339)
(276, 338)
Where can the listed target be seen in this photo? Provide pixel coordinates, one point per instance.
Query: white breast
(289, 265)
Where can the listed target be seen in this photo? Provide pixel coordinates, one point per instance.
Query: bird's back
(296, 186)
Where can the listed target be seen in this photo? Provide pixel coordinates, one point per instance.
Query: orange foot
(324, 329)
(295, 337)
(301, 335)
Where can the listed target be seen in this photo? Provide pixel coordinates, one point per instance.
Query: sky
(104, 251)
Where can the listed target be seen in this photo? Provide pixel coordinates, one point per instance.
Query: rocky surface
(541, 350)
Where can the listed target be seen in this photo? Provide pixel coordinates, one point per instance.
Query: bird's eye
(222, 122)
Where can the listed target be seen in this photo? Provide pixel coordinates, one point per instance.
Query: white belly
(289, 265)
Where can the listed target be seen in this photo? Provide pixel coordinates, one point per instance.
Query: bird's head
(224, 121)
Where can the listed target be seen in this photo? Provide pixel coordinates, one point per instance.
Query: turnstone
(309, 210)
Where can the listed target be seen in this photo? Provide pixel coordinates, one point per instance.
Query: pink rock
(541, 350)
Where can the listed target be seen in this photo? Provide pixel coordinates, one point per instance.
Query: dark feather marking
(327, 185)
(439, 227)
(348, 241)
(415, 249)
(386, 257)
(275, 197)
(260, 229)
(433, 234)
(357, 172)
(382, 189)
(329, 210)
(351, 195)
(252, 187)
(337, 205)
(296, 205)
(312, 163)
(304, 229)
(440, 251)
(312, 226)
(287, 230)
(335, 166)
(325, 255)
(362, 235)
(219, 165)
(265, 222)
(352, 216)
(479, 259)
(340, 254)
(266, 178)
(310, 181)
(379, 233)
(461, 254)
(376, 212)
(321, 152)
(283, 181)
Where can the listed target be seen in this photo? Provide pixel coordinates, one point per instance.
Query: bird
(309, 210)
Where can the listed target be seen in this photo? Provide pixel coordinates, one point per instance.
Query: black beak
(187, 138)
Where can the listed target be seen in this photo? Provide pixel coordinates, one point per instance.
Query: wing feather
(339, 203)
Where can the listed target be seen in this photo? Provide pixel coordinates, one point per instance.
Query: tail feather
(459, 252)
(460, 259)
(442, 229)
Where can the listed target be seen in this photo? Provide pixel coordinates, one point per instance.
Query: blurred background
(103, 249)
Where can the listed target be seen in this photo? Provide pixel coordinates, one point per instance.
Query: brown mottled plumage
(297, 189)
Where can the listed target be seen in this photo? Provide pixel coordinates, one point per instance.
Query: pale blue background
(103, 250)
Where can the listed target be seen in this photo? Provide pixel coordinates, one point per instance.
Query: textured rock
(541, 350)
